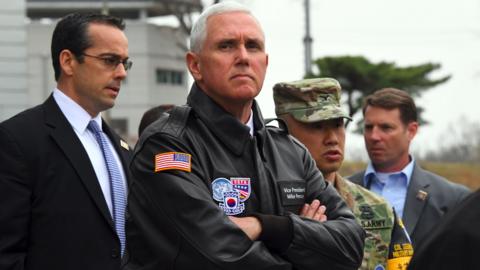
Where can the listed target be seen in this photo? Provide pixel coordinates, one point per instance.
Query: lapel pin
(422, 195)
(124, 144)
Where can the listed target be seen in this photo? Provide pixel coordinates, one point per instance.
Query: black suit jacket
(429, 197)
(455, 242)
(53, 214)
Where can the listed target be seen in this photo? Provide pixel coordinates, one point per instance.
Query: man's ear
(193, 65)
(67, 62)
(412, 129)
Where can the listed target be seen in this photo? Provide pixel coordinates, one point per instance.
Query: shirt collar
(250, 123)
(75, 114)
(406, 171)
(217, 120)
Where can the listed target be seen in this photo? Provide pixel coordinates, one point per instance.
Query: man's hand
(250, 226)
(314, 211)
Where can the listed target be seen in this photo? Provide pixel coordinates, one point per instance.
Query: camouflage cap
(309, 100)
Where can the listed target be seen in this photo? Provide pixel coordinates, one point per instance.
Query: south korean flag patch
(231, 194)
(231, 204)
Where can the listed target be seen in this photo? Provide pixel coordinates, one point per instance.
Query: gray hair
(199, 29)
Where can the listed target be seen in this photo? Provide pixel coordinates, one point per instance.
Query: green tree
(359, 77)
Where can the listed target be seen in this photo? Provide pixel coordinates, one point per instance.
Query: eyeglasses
(113, 61)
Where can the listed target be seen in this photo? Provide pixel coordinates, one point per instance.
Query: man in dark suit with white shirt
(419, 197)
(63, 177)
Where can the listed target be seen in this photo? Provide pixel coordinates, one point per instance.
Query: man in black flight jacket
(214, 188)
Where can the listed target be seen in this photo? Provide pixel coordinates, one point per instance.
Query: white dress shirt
(79, 119)
(250, 123)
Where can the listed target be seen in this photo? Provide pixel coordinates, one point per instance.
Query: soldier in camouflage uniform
(311, 109)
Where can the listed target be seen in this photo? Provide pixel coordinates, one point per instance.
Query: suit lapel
(357, 178)
(417, 197)
(65, 137)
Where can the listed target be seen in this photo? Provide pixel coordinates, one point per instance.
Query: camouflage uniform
(375, 215)
(314, 100)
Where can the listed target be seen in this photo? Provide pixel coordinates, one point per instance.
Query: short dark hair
(391, 98)
(71, 34)
(151, 115)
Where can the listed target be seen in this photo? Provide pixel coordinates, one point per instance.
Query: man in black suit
(455, 242)
(420, 197)
(61, 203)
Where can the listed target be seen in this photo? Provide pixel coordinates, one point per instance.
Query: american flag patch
(173, 161)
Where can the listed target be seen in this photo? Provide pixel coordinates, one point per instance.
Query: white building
(158, 76)
(13, 59)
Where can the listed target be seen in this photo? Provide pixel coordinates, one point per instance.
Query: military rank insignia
(231, 194)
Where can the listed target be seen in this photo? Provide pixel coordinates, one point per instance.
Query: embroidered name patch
(173, 161)
(231, 194)
(373, 216)
(292, 192)
(374, 224)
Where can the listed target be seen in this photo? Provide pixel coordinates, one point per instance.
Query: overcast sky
(406, 32)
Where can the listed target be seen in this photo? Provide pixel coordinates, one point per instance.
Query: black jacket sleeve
(15, 194)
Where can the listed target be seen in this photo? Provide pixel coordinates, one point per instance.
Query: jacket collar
(231, 132)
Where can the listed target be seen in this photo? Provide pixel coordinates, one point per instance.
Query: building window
(165, 76)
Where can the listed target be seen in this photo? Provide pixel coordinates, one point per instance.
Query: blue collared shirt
(392, 186)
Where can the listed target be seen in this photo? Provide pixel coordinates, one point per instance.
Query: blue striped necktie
(116, 185)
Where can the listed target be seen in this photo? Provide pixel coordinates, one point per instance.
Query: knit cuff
(277, 231)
